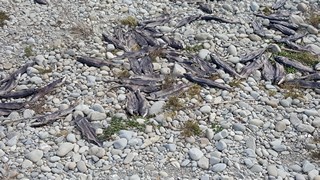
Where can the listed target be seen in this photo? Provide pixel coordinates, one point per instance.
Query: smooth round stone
(195, 153)
(203, 53)
(219, 167)
(256, 168)
(26, 164)
(36, 80)
(31, 41)
(134, 177)
(35, 155)
(256, 122)
(64, 149)
(178, 70)
(254, 37)
(302, 7)
(156, 107)
(82, 167)
(205, 109)
(312, 30)
(165, 70)
(71, 138)
(234, 60)
(121, 97)
(239, 127)
(299, 177)
(221, 145)
(232, 50)
(120, 143)
(307, 166)
(254, 6)
(272, 170)
(203, 163)
(281, 126)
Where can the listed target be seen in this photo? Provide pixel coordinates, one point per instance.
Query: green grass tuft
(28, 51)
(191, 128)
(216, 127)
(303, 57)
(118, 124)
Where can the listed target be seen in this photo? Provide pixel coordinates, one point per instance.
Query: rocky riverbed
(253, 129)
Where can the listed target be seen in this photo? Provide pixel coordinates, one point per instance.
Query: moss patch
(303, 57)
(314, 19)
(118, 124)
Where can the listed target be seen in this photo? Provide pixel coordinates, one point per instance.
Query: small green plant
(216, 127)
(3, 17)
(194, 48)
(129, 21)
(167, 82)
(235, 83)
(290, 69)
(267, 11)
(174, 103)
(191, 128)
(303, 57)
(118, 124)
(28, 51)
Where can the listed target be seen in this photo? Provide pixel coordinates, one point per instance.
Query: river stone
(156, 107)
(219, 167)
(195, 153)
(35, 155)
(64, 149)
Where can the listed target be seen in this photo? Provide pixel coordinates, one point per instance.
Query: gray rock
(302, 7)
(120, 143)
(274, 48)
(218, 167)
(313, 173)
(71, 138)
(35, 155)
(251, 143)
(214, 160)
(239, 127)
(221, 145)
(97, 151)
(281, 126)
(205, 177)
(305, 128)
(171, 147)
(129, 158)
(203, 163)
(36, 80)
(312, 30)
(126, 134)
(248, 162)
(178, 70)
(28, 113)
(195, 153)
(299, 177)
(26, 164)
(311, 112)
(13, 140)
(314, 48)
(256, 168)
(221, 135)
(54, 159)
(254, 6)
(232, 50)
(205, 109)
(64, 149)
(296, 19)
(285, 102)
(316, 122)
(296, 168)
(97, 116)
(256, 122)
(203, 36)
(203, 53)
(157, 107)
(307, 166)
(98, 108)
(209, 133)
(82, 167)
(134, 177)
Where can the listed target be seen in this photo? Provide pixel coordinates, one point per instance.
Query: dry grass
(3, 17)
(314, 18)
(174, 103)
(167, 82)
(129, 21)
(190, 128)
